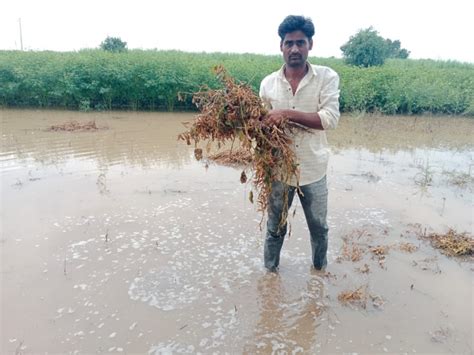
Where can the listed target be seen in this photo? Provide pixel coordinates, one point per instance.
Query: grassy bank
(151, 80)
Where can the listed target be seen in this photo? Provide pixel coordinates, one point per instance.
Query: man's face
(295, 47)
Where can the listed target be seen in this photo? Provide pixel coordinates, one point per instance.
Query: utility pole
(21, 35)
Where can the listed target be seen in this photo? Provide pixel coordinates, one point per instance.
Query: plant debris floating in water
(453, 243)
(357, 297)
(75, 126)
(235, 112)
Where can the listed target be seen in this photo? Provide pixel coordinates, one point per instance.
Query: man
(307, 95)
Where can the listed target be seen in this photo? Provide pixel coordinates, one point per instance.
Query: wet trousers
(314, 200)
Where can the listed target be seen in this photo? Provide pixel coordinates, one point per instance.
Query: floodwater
(118, 241)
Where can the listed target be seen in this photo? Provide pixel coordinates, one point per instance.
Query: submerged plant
(424, 177)
(235, 112)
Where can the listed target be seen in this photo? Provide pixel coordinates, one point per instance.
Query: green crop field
(151, 80)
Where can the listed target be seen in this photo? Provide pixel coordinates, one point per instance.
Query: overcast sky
(429, 29)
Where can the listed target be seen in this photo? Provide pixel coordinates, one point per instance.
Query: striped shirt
(317, 92)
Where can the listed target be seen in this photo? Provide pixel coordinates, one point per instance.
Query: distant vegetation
(113, 44)
(366, 48)
(151, 80)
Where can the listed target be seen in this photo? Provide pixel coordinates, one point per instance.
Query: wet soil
(117, 240)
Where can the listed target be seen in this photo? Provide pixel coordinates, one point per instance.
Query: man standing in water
(307, 95)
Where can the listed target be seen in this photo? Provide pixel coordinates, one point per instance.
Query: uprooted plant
(235, 112)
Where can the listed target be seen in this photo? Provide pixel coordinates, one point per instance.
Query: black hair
(293, 23)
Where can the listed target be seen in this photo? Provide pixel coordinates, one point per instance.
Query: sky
(437, 29)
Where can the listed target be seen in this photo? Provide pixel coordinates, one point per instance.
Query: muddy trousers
(314, 200)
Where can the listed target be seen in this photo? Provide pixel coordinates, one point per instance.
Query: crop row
(152, 80)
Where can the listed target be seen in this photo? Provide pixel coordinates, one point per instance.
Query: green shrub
(152, 80)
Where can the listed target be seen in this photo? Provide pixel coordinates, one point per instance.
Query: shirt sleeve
(329, 101)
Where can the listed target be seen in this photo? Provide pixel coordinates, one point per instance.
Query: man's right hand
(276, 117)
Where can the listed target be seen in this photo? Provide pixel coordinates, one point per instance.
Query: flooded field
(117, 241)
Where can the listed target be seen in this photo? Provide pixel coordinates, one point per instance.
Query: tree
(113, 44)
(366, 48)
(394, 50)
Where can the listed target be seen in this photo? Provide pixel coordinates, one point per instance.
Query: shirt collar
(311, 72)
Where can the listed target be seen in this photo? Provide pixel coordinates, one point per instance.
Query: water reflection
(150, 139)
(287, 322)
(394, 133)
(133, 139)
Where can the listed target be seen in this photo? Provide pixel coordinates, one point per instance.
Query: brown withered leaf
(243, 177)
(198, 153)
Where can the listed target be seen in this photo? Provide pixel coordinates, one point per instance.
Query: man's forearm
(308, 119)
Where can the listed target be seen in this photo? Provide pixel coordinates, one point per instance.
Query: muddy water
(119, 241)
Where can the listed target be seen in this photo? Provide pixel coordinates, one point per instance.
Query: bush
(152, 80)
(113, 44)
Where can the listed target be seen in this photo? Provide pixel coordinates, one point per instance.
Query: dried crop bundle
(236, 112)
